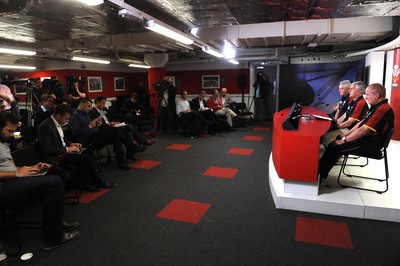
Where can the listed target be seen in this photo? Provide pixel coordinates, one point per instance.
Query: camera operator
(75, 94)
(37, 92)
(262, 90)
(56, 90)
(167, 108)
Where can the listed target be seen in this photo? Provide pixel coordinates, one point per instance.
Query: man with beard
(18, 188)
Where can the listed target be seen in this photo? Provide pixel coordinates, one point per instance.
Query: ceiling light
(16, 67)
(195, 32)
(138, 66)
(232, 61)
(90, 60)
(16, 51)
(212, 52)
(92, 2)
(229, 52)
(170, 33)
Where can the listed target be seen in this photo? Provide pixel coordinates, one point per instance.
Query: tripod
(28, 105)
(161, 99)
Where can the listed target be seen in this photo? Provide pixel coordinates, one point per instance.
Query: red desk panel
(295, 152)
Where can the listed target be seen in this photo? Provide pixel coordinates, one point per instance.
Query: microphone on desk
(308, 113)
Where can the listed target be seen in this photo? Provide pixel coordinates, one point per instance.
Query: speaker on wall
(241, 80)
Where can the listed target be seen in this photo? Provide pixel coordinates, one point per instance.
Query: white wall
(388, 74)
(376, 62)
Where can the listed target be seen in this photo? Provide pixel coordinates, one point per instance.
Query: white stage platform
(335, 200)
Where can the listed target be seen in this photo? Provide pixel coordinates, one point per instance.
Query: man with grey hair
(340, 108)
(355, 112)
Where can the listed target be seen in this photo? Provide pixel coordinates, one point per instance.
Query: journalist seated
(367, 136)
(18, 188)
(52, 144)
(90, 134)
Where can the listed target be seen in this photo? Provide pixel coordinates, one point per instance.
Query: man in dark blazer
(100, 110)
(45, 110)
(200, 105)
(51, 144)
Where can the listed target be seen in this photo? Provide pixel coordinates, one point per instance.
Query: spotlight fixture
(212, 52)
(17, 67)
(5, 50)
(90, 60)
(92, 2)
(138, 66)
(167, 31)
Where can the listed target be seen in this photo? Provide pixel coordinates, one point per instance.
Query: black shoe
(150, 142)
(140, 149)
(124, 167)
(107, 184)
(67, 238)
(69, 226)
(212, 132)
(231, 129)
(91, 187)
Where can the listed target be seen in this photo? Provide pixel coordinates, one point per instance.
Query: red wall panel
(185, 80)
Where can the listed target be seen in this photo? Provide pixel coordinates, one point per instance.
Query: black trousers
(85, 165)
(103, 137)
(20, 192)
(334, 152)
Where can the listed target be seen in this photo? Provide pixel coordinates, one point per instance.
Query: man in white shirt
(192, 122)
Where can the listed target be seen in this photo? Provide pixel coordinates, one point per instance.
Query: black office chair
(241, 109)
(382, 154)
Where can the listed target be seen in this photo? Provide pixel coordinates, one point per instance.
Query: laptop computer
(27, 157)
(54, 165)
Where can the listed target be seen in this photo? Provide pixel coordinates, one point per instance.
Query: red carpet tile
(184, 211)
(241, 151)
(88, 197)
(323, 232)
(221, 172)
(261, 129)
(179, 147)
(256, 138)
(144, 164)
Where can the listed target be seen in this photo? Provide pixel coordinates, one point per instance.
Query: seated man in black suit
(45, 110)
(99, 109)
(89, 134)
(53, 144)
(18, 188)
(200, 105)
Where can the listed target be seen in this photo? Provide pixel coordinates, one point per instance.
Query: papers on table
(322, 117)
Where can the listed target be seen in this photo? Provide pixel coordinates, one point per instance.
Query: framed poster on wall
(95, 84)
(210, 81)
(119, 84)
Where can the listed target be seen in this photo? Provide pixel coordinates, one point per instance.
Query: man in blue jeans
(18, 188)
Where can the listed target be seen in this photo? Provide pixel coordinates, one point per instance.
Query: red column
(395, 94)
(154, 75)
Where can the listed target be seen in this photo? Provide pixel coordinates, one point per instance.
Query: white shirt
(182, 105)
(103, 114)
(60, 131)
